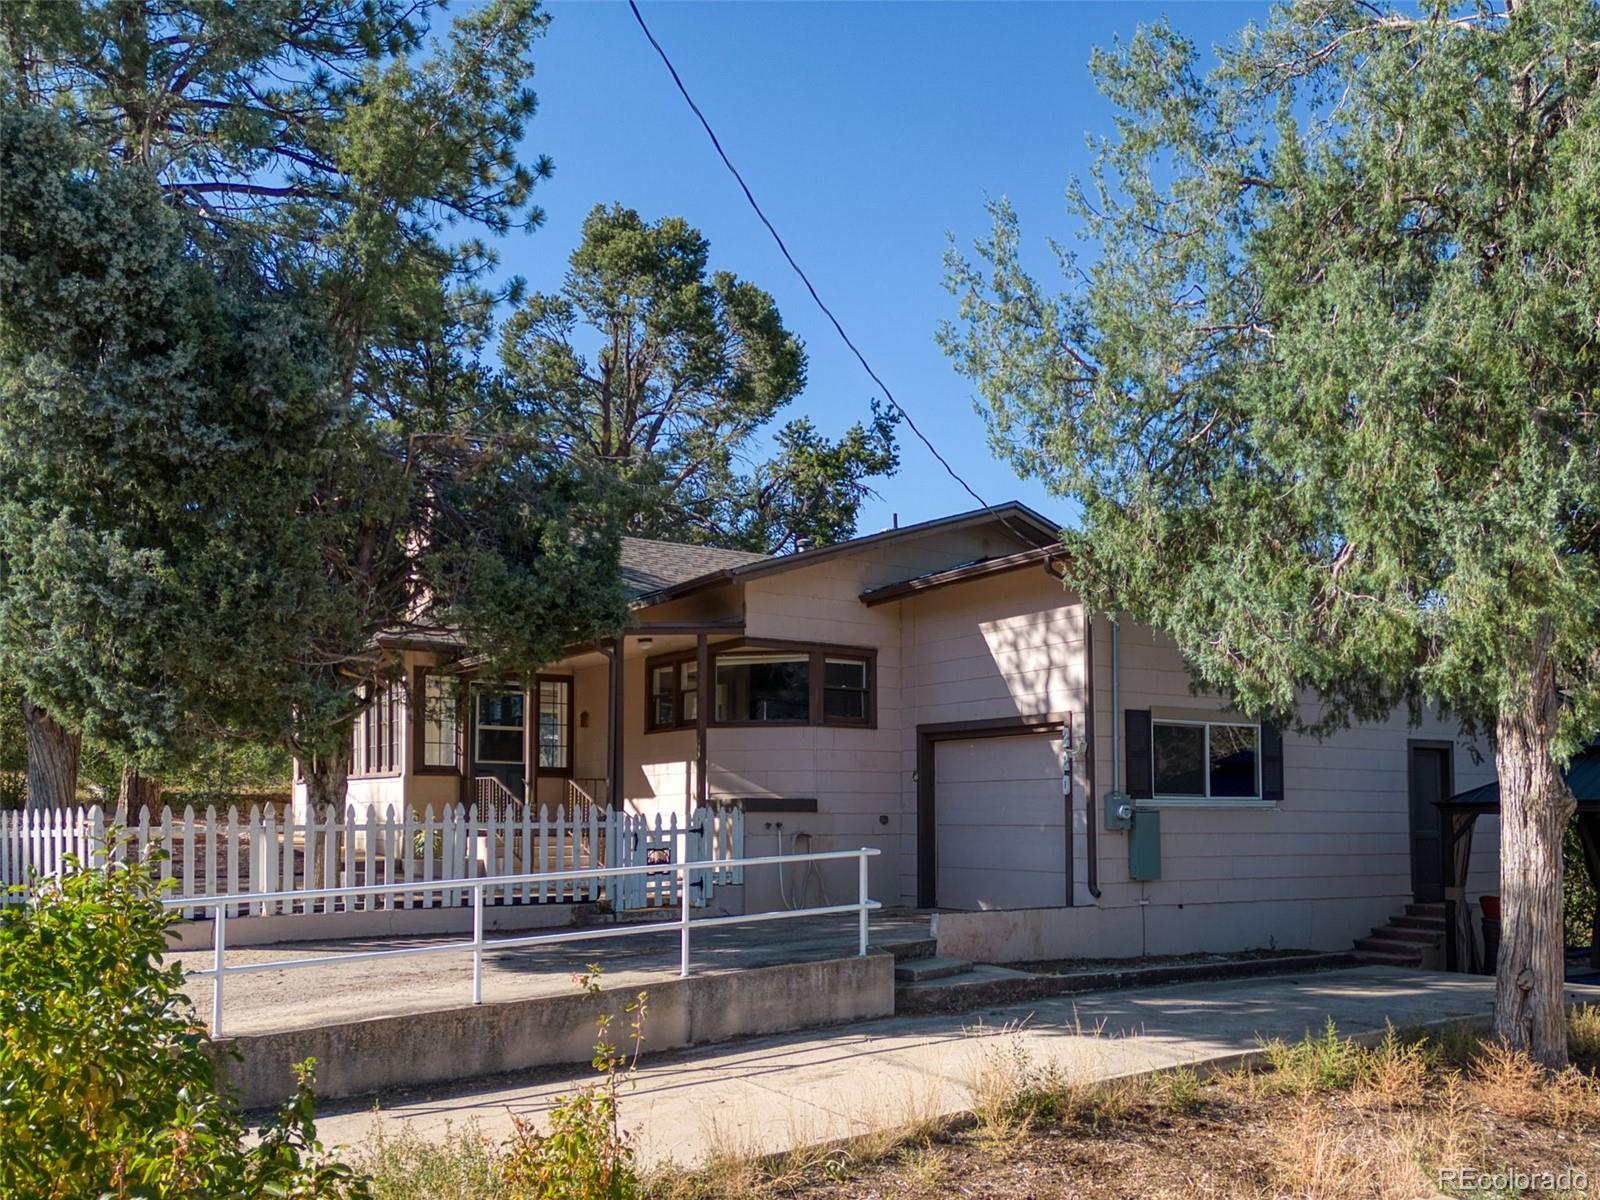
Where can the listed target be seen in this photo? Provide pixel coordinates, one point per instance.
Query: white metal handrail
(477, 944)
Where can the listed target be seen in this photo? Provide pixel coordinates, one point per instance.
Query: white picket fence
(214, 853)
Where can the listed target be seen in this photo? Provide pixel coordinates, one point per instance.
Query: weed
(1394, 1073)
(461, 1165)
(1322, 1062)
(925, 1170)
(584, 1154)
(1583, 1034)
(1178, 1091)
(1507, 1081)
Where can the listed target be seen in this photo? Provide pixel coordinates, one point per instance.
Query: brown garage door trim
(928, 736)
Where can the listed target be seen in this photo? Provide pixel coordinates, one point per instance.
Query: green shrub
(109, 1086)
(1322, 1062)
(585, 1154)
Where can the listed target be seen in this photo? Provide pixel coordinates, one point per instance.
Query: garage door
(1000, 833)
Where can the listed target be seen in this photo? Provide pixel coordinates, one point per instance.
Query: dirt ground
(1237, 1146)
(1442, 1121)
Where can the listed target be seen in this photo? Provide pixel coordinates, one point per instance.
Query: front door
(1429, 778)
(498, 738)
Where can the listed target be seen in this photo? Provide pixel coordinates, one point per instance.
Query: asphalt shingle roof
(648, 566)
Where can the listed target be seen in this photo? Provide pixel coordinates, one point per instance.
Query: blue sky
(867, 131)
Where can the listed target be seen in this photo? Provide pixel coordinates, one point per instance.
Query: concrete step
(908, 949)
(1376, 959)
(1383, 950)
(981, 987)
(1436, 924)
(1398, 933)
(919, 970)
(1432, 909)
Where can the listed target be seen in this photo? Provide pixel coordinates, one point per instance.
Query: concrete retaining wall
(1129, 931)
(461, 1043)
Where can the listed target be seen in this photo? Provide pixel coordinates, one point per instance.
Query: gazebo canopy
(1458, 814)
(1583, 777)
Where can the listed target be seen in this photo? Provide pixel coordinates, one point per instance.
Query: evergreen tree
(666, 374)
(166, 423)
(335, 147)
(1328, 387)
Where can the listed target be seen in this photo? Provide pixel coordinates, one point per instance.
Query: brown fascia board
(891, 592)
(1048, 533)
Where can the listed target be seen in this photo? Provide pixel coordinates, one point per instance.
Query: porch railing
(492, 795)
(480, 890)
(586, 794)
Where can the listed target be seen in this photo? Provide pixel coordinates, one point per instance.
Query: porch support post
(614, 740)
(706, 694)
(1589, 840)
(1447, 874)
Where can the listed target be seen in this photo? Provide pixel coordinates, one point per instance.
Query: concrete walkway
(775, 1093)
(310, 997)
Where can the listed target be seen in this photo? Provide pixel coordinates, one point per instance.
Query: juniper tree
(1327, 385)
(666, 374)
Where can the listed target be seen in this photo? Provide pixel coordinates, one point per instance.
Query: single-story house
(934, 691)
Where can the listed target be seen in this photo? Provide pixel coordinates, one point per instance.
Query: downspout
(1091, 839)
(612, 649)
(1116, 725)
(1090, 795)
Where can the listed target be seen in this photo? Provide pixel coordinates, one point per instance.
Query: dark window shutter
(1136, 727)
(1271, 763)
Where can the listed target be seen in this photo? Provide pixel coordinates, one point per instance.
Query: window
(762, 685)
(1205, 760)
(663, 712)
(499, 726)
(439, 745)
(844, 690)
(555, 724)
(777, 684)
(375, 736)
(674, 701)
(689, 691)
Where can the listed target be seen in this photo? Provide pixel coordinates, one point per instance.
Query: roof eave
(786, 562)
(922, 584)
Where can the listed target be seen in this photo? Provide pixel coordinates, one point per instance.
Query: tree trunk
(1529, 1012)
(327, 778)
(137, 792)
(52, 759)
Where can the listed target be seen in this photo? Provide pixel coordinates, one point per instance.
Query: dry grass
(1323, 1119)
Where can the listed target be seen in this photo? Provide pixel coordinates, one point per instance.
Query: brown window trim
(535, 769)
(819, 652)
(419, 755)
(390, 694)
(654, 663)
(505, 683)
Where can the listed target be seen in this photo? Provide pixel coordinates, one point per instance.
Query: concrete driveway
(775, 1093)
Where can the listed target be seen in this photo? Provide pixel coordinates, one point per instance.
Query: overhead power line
(789, 258)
